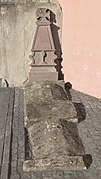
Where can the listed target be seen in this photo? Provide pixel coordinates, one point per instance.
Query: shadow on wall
(57, 45)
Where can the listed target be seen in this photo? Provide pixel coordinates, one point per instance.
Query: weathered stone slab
(51, 121)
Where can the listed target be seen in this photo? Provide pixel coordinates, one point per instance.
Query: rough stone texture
(89, 114)
(17, 29)
(51, 118)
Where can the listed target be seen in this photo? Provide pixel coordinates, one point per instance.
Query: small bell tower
(42, 55)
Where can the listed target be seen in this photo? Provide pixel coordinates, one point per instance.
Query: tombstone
(43, 50)
(51, 122)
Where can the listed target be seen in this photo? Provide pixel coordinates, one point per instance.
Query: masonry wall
(82, 44)
(17, 29)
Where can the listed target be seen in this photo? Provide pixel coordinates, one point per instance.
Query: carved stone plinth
(51, 121)
(42, 54)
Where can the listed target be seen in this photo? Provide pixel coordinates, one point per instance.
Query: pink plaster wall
(82, 45)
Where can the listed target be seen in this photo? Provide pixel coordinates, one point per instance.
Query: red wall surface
(81, 44)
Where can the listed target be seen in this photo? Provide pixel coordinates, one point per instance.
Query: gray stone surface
(18, 140)
(6, 108)
(89, 114)
(4, 99)
(51, 118)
